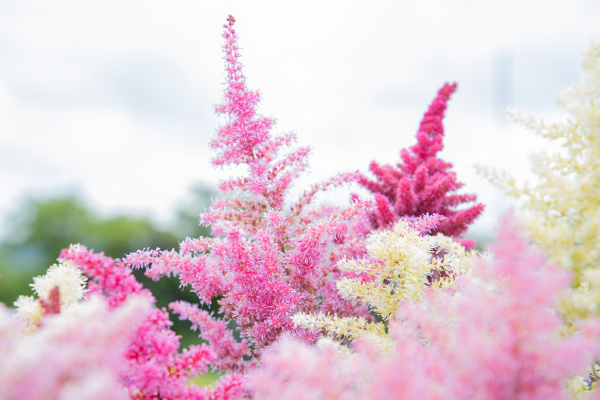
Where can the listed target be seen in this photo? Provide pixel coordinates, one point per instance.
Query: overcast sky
(115, 98)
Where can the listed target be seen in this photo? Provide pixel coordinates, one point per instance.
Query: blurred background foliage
(42, 226)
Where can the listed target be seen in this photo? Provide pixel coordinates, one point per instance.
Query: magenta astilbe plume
(498, 338)
(246, 140)
(229, 352)
(108, 276)
(422, 183)
(52, 305)
(270, 258)
(152, 367)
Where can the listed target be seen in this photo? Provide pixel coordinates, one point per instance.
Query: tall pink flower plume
(270, 257)
(152, 366)
(246, 138)
(422, 183)
(499, 341)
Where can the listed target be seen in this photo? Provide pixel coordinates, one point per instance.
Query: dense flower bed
(379, 299)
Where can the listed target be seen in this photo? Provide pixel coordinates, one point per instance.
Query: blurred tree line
(41, 227)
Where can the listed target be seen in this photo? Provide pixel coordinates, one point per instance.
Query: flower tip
(449, 88)
(231, 20)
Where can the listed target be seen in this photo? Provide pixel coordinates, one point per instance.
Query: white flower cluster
(403, 264)
(407, 261)
(71, 285)
(561, 211)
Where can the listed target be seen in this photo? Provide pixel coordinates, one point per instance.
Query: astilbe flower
(62, 286)
(496, 339)
(270, 257)
(562, 210)
(246, 140)
(76, 354)
(152, 367)
(422, 183)
(56, 347)
(295, 370)
(402, 264)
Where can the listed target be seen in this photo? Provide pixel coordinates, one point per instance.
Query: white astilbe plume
(70, 282)
(406, 263)
(403, 264)
(29, 309)
(561, 210)
(69, 279)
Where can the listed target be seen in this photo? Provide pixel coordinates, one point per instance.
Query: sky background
(115, 99)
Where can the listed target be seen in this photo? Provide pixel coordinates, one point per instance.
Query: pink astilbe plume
(229, 352)
(75, 354)
(52, 305)
(270, 257)
(422, 183)
(505, 342)
(292, 370)
(108, 276)
(152, 367)
(497, 339)
(246, 140)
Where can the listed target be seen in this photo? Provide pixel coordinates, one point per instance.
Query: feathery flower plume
(497, 339)
(152, 367)
(422, 183)
(62, 286)
(270, 257)
(76, 354)
(402, 263)
(562, 210)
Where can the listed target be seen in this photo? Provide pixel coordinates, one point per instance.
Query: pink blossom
(106, 276)
(422, 183)
(497, 339)
(152, 366)
(270, 257)
(75, 354)
(292, 370)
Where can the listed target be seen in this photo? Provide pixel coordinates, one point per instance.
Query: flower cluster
(76, 353)
(152, 366)
(562, 209)
(495, 338)
(270, 257)
(62, 286)
(377, 299)
(422, 183)
(403, 263)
